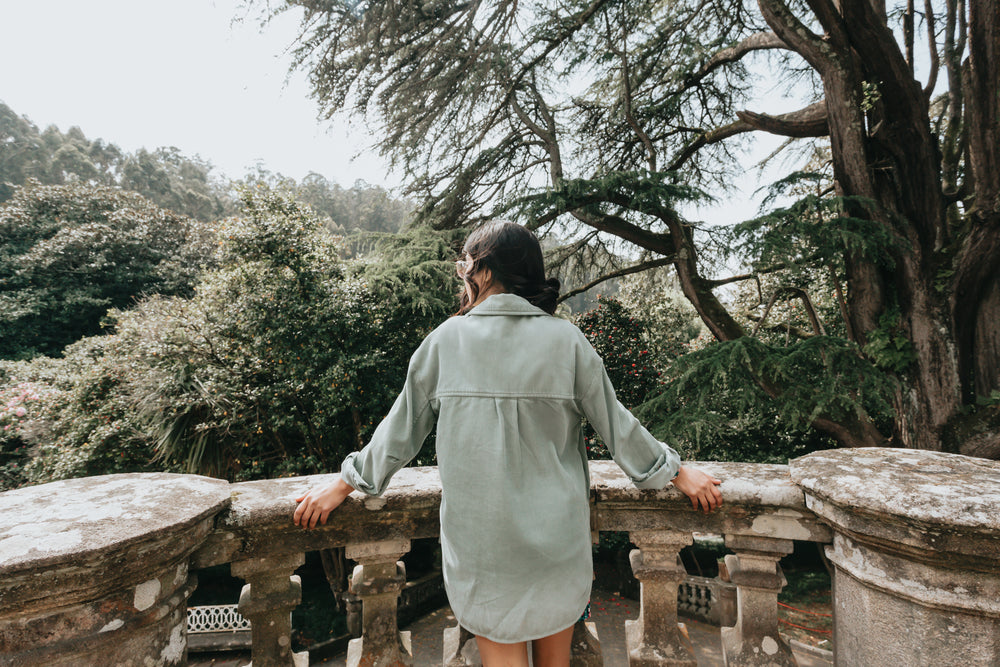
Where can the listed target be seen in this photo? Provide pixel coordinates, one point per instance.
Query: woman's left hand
(315, 506)
(700, 487)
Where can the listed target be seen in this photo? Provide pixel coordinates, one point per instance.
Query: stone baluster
(352, 609)
(754, 640)
(377, 580)
(654, 638)
(271, 593)
(586, 647)
(460, 648)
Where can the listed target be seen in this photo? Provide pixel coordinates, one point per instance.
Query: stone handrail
(95, 570)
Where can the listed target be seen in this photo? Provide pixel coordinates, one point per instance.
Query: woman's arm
(315, 506)
(395, 442)
(649, 463)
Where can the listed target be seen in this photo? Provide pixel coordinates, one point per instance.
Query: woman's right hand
(699, 487)
(315, 506)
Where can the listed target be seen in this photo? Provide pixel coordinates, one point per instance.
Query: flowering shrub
(16, 402)
(620, 338)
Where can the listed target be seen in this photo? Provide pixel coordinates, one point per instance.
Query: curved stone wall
(917, 554)
(95, 570)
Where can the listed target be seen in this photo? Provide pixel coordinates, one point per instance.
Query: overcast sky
(180, 73)
(147, 74)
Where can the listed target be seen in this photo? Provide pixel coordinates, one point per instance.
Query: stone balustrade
(95, 571)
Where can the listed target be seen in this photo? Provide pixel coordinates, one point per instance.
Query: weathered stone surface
(460, 648)
(268, 600)
(873, 627)
(95, 570)
(754, 641)
(259, 521)
(930, 501)
(758, 500)
(654, 639)
(377, 580)
(917, 554)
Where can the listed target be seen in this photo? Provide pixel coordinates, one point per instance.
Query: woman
(508, 385)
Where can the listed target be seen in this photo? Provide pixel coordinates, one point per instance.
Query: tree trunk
(884, 152)
(976, 286)
(977, 296)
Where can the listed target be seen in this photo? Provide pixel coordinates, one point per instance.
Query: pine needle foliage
(815, 230)
(715, 396)
(617, 192)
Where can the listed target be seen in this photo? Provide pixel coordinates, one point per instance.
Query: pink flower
(20, 412)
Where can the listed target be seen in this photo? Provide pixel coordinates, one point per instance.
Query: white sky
(147, 74)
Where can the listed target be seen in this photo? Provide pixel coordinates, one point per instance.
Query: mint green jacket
(509, 386)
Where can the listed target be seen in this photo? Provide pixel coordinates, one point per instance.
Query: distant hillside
(186, 185)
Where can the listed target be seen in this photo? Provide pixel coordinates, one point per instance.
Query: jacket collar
(506, 304)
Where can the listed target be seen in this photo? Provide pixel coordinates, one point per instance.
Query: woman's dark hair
(514, 256)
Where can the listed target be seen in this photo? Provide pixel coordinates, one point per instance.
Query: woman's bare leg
(552, 651)
(495, 654)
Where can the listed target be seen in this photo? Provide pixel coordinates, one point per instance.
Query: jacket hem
(543, 631)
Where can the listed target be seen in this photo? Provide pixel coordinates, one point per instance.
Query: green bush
(282, 361)
(68, 253)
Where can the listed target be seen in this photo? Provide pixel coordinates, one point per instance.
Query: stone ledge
(931, 505)
(758, 500)
(92, 516)
(930, 488)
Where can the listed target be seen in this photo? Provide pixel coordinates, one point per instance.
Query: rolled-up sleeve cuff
(351, 475)
(660, 474)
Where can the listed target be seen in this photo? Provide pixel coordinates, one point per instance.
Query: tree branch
(830, 18)
(627, 99)
(810, 121)
(756, 42)
(635, 268)
(842, 303)
(810, 311)
(552, 45)
(623, 229)
(932, 47)
(568, 251)
(781, 328)
(753, 275)
(796, 35)
(709, 137)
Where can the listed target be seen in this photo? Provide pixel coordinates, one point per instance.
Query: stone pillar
(460, 648)
(269, 597)
(352, 607)
(754, 640)
(916, 554)
(586, 647)
(377, 580)
(654, 638)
